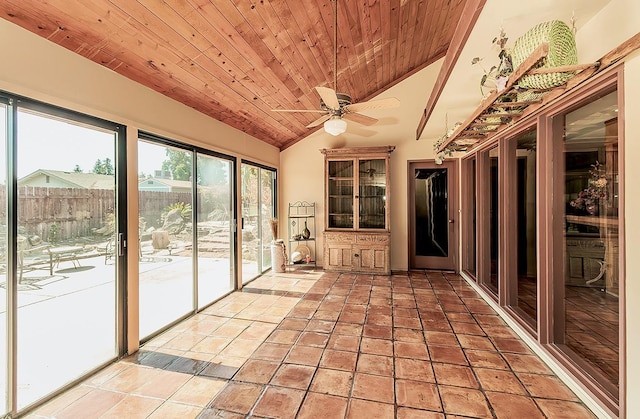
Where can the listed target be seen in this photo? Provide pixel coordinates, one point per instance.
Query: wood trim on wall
(545, 233)
(622, 335)
(555, 212)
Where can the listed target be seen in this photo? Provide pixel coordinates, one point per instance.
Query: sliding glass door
(63, 216)
(4, 260)
(550, 221)
(215, 221)
(165, 197)
(187, 219)
(258, 209)
(586, 315)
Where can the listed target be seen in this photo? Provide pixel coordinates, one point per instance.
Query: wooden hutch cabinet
(357, 236)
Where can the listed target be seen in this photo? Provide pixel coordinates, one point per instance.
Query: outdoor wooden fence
(61, 214)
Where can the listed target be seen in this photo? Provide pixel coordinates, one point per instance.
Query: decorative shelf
(503, 108)
(302, 215)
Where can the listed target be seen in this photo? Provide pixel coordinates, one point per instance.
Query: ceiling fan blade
(388, 103)
(329, 97)
(319, 121)
(298, 110)
(359, 118)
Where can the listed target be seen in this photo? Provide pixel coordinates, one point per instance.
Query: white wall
(302, 165)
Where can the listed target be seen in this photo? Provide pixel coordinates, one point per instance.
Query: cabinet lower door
(372, 259)
(339, 257)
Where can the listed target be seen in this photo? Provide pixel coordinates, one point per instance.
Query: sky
(45, 143)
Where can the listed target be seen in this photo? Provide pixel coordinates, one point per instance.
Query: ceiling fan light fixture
(335, 126)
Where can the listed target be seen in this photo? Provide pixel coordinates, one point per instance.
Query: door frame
(450, 263)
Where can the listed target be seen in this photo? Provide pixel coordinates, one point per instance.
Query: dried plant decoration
(274, 228)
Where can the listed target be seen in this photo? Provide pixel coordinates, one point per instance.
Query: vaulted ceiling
(236, 60)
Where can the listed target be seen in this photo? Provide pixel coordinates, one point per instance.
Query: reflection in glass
(3, 259)
(471, 245)
(250, 223)
(267, 213)
(526, 224)
(214, 234)
(493, 220)
(591, 311)
(372, 193)
(66, 218)
(340, 194)
(166, 219)
(258, 188)
(432, 219)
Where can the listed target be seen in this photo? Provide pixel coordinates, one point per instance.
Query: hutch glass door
(340, 184)
(372, 184)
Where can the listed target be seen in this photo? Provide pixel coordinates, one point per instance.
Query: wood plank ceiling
(235, 60)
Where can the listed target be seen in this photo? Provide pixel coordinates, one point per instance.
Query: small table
(56, 254)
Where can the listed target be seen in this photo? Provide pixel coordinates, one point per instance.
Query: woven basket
(562, 51)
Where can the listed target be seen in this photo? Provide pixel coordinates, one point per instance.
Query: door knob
(450, 221)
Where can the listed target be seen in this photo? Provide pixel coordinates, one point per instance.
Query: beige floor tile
(131, 379)
(212, 344)
(133, 407)
(64, 400)
(172, 410)
(92, 405)
(184, 341)
(163, 385)
(198, 391)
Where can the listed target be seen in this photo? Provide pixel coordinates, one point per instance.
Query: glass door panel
(251, 231)
(258, 209)
(4, 246)
(590, 313)
(432, 215)
(165, 194)
(527, 275)
(215, 218)
(372, 194)
(267, 190)
(66, 218)
(340, 203)
(492, 281)
(470, 232)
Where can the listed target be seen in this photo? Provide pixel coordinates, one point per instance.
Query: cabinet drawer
(372, 239)
(339, 238)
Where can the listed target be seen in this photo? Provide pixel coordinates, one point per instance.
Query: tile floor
(325, 345)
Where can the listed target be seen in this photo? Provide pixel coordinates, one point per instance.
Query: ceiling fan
(337, 107)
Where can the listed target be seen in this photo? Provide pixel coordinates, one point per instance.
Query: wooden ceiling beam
(467, 21)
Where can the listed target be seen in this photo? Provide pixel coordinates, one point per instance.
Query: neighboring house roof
(73, 179)
(172, 184)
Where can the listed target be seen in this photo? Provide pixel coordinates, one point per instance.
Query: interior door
(433, 215)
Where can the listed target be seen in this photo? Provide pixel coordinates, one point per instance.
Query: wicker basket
(562, 51)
